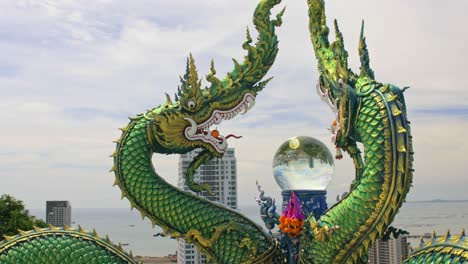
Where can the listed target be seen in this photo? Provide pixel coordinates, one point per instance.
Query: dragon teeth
(251, 102)
(219, 118)
(244, 108)
(193, 127)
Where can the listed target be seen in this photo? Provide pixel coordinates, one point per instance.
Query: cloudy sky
(72, 71)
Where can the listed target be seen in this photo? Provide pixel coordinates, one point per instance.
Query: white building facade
(221, 176)
(392, 251)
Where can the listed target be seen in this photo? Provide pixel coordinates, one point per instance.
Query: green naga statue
(175, 127)
(373, 114)
(366, 111)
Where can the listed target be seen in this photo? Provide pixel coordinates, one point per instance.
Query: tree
(13, 216)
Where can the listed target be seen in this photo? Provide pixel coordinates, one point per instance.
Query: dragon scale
(450, 249)
(57, 245)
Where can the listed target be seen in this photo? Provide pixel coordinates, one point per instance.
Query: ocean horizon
(127, 227)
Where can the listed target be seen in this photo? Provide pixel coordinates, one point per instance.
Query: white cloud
(75, 58)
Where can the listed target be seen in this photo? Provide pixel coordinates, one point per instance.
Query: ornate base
(311, 201)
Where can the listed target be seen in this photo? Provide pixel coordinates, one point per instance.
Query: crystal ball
(303, 163)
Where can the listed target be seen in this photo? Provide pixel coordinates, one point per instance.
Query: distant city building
(58, 213)
(221, 176)
(392, 251)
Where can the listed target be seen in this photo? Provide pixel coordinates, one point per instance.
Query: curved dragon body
(447, 249)
(177, 127)
(375, 115)
(372, 204)
(224, 235)
(56, 245)
(217, 230)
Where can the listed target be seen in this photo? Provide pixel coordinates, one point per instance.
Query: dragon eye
(191, 104)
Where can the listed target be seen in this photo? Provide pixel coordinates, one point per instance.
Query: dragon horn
(190, 84)
(193, 83)
(168, 99)
(216, 84)
(366, 71)
(332, 58)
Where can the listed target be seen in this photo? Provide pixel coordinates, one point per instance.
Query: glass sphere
(303, 163)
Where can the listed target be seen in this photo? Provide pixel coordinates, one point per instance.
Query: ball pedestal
(313, 202)
(305, 166)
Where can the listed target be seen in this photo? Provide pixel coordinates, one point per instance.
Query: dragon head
(191, 120)
(337, 84)
(188, 122)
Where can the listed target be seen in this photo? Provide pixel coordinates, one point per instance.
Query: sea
(137, 235)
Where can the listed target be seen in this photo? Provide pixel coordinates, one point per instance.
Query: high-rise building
(392, 251)
(58, 213)
(221, 176)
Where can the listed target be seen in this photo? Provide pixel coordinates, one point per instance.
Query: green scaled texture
(446, 249)
(373, 114)
(367, 112)
(370, 113)
(58, 246)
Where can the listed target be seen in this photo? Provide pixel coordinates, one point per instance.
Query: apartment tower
(221, 176)
(58, 213)
(392, 251)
